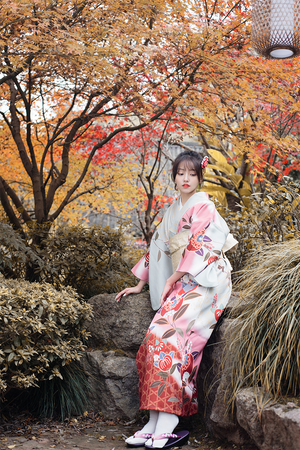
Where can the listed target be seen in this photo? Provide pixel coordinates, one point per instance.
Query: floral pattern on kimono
(168, 359)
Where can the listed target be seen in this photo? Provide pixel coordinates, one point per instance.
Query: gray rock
(114, 383)
(212, 383)
(272, 426)
(247, 414)
(117, 330)
(119, 325)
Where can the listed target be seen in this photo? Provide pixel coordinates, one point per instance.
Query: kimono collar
(195, 198)
(178, 210)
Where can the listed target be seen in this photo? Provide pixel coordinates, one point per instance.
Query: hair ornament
(204, 162)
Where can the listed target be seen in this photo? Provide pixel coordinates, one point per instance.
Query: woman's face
(186, 179)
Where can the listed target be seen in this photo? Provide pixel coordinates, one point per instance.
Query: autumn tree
(285, 123)
(251, 130)
(142, 161)
(66, 64)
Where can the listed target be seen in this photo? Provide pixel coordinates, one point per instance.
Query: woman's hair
(192, 160)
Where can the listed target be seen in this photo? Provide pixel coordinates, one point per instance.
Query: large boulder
(119, 325)
(271, 425)
(118, 328)
(114, 383)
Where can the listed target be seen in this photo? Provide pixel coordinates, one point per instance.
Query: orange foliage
(68, 65)
(65, 64)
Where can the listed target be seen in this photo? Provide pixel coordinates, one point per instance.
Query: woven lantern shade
(275, 28)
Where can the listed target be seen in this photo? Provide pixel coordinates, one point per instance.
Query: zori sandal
(139, 435)
(173, 439)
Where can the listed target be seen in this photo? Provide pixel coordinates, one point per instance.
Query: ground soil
(92, 432)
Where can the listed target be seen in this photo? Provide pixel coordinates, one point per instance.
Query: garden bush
(264, 345)
(270, 218)
(15, 254)
(41, 330)
(41, 334)
(92, 260)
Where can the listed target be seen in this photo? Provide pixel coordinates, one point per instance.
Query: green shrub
(41, 329)
(92, 260)
(15, 255)
(264, 345)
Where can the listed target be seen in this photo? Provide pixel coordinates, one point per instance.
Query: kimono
(170, 354)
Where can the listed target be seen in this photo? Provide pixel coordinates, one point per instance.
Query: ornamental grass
(264, 345)
(60, 397)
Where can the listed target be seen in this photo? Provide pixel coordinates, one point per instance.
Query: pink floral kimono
(169, 357)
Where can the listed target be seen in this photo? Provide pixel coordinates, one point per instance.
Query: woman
(191, 295)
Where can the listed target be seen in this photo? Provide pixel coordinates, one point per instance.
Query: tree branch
(16, 130)
(8, 208)
(64, 170)
(13, 73)
(17, 202)
(92, 190)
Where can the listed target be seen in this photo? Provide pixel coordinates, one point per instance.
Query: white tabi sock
(148, 428)
(166, 423)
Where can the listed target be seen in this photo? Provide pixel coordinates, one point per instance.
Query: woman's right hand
(131, 290)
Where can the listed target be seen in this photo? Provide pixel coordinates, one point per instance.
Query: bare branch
(16, 130)
(13, 73)
(92, 190)
(17, 202)
(8, 208)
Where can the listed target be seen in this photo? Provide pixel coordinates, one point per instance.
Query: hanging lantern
(275, 28)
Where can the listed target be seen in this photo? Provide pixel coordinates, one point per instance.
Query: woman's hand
(167, 289)
(170, 285)
(131, 290)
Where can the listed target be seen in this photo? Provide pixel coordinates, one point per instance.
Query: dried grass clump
(264, 347)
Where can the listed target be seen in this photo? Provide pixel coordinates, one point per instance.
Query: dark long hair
(192, 160)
